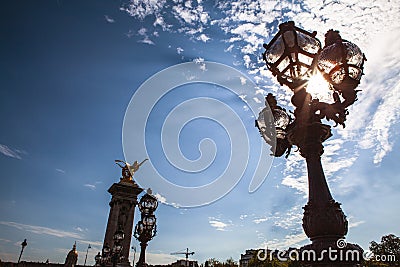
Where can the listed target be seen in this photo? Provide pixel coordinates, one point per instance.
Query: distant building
(185, 263)
(179, 263)
(33, 264)
(247, 256)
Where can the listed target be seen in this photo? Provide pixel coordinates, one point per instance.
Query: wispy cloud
(355, 224)
(218, 224)
(42, 230)
(90, 186)
(60, 171)
(146, 40)
(145, 37)
(12, 153)
(163, 200)
(295, 240)
(295, 175)
(288, 220)
(79, 229)
(109, 19)
(261, 220)
(98, 244)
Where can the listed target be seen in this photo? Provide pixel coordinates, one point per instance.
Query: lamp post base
(324, 222)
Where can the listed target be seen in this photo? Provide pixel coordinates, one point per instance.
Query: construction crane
(187, 253)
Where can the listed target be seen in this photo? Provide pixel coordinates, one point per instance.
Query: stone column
(122, 210)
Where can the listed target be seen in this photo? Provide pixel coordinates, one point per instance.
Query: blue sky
(70, 69)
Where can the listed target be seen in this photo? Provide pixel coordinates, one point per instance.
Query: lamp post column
(142, 257)
(323, 219)
(23, 245)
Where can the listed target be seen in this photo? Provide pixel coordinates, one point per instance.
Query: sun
(318, 87)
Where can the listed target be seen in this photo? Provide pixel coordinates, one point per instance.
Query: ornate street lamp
(295, 56)
(146, 228)
(23, 245)
(116, 256)
(97, 259)
(87, 251)
(111, 255)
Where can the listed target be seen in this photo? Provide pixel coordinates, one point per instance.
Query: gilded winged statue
(129, 170)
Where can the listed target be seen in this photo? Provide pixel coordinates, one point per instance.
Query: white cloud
(163, 200)
(218, 224)
(160, 198)
(243, 80)
(98, 244)
(243, 216)
(146, 40)
(142, 31)
(12, 153)
(198, 60)
(243, 97)
(79, 229)
(60, 171)
(295, 240)
(109, 19)
(90, 186)
(145, 37)
(42, 230)
(295, 173)
(204, 38)
(247, 61)
(143, 8)
(355, 224)
(289, 220)
(261, 220)
(159, 21)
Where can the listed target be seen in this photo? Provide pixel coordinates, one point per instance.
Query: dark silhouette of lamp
(294, 56)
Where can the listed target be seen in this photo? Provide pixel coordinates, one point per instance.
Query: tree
(230, 263)
(386, 253)
(214, 262)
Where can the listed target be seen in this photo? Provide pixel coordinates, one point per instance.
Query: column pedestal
(122, 211)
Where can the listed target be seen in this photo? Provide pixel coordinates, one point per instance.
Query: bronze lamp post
(23, 245)
(294, 56)
(112, 255)
(146, 228)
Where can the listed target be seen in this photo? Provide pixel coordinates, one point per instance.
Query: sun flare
(318, 87)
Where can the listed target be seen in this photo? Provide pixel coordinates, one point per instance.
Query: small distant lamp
(23, 245)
